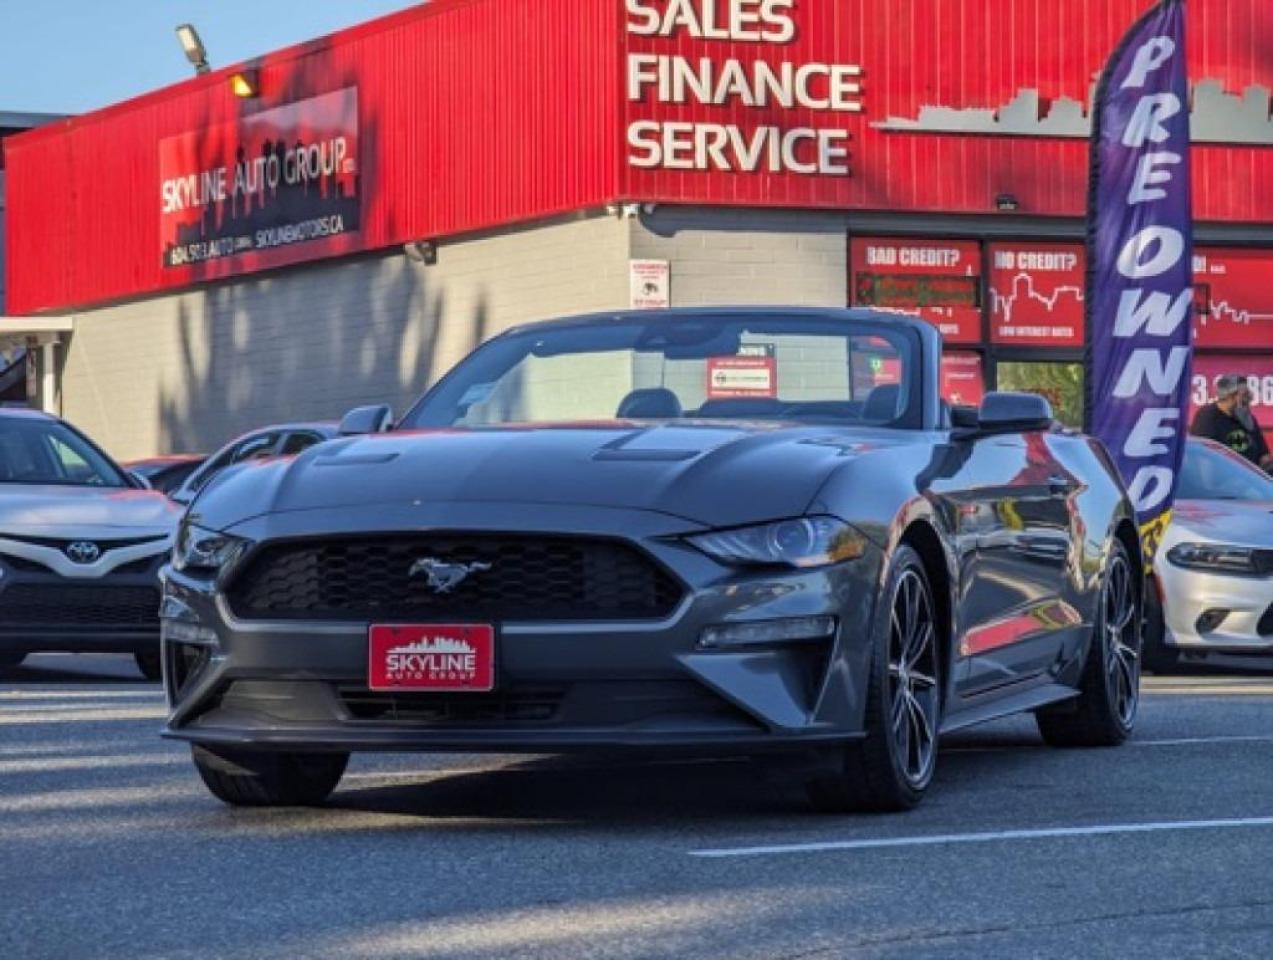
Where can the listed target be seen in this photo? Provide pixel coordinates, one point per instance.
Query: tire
(890, 769)
(246, 779)
(150, 663)
(11, 658)
(1104, 714)
(1157, 657)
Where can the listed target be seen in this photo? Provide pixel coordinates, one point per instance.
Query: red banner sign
(1036, 294)
(1233, 298)
(963, 382)
(275, 179)
(939, 281)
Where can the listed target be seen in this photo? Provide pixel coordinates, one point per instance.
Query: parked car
(165, 474)
(752, 530)
(280, 440)
(1213, 576)
(81, 544)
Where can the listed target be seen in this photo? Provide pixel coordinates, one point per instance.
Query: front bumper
(42, 611)
(288, 685)
(1188, 595)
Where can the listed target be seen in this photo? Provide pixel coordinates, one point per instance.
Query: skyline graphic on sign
(1217, 117)
(1024, 290)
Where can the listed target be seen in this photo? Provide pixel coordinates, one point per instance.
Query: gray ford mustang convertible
(754, 531)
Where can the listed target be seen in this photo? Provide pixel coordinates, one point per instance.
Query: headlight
(808, 542)
(204, 551)
(1215, 558)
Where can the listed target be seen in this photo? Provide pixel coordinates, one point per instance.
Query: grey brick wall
(747, 256)
(185, 372)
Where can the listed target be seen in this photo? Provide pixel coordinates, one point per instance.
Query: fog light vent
(1211, 620)
(761, 632)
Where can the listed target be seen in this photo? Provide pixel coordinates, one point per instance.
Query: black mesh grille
(509, 706)
(1264, 562)
(75, 605)
(530, 579)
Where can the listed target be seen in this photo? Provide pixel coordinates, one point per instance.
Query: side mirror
(1003, 413)
(362, 420)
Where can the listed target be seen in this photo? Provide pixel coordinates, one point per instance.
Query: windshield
(750, 367)
(1210, 473)
(40, 452)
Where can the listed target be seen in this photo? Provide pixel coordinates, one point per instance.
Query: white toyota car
(81, 544)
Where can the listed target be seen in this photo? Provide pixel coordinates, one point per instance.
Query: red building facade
(950, 133)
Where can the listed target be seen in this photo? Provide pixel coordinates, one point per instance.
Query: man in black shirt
(1230, 421)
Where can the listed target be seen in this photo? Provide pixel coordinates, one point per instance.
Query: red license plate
(432, 656)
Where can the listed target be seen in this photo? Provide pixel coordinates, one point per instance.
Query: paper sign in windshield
(734, 377)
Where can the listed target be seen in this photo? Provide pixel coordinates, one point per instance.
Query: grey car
(754, 531)
(279, 440)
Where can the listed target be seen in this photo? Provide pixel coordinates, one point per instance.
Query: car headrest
(655, 403)
(881, 403)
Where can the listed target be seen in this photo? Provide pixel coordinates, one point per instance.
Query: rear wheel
(891, 767)
(150, 664)
(257, 779)
(1105, 712)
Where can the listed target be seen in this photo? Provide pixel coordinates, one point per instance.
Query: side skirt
(1006, 704)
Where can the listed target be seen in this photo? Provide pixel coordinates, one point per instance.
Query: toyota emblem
(82, 551)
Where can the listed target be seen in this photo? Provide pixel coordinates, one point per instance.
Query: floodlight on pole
(196, 53)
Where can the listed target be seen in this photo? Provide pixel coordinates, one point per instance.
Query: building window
(940, 280)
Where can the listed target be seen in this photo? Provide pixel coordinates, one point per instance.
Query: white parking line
(1190, 741)
(46, 694)
(1176, 742)
(99, 762)
(14, 717)
(1213, 690)
(946, 839)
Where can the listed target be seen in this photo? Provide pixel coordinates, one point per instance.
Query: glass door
(1060, 381)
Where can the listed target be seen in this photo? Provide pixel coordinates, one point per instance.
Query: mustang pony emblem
(445, 577)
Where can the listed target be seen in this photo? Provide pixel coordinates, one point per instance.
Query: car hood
(710, 473)
(89, 512)
(1242, 522)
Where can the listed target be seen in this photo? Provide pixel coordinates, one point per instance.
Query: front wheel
(258, 779)
(889, 770)
(1104, 713)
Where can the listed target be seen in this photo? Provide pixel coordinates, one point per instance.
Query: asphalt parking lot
(111, 848)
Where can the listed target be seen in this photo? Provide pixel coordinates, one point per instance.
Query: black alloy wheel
(1104, 713)
(891, 768)
(912, 672)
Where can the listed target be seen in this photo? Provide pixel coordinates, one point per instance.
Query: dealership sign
(694, 66)
(1141, 252)
(278, 178)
